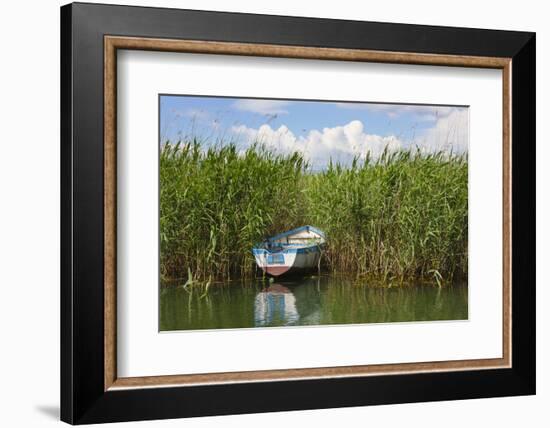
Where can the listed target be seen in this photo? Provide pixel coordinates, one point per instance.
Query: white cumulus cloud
(449, 133)
(420, 112)
(265, 107)
(340, 143)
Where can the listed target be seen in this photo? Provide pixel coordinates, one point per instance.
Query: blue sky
(321, 130)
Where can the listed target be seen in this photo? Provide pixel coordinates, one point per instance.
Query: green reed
(403, 216)
(400, 217)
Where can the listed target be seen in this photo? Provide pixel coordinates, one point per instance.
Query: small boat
(297, 251)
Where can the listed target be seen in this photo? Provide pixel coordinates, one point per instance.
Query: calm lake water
(312, 301)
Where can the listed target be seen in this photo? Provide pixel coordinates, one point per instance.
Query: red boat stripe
(276, 270)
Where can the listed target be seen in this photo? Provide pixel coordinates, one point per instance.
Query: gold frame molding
(113, 43)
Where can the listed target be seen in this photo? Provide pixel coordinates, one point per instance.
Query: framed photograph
(266, 213)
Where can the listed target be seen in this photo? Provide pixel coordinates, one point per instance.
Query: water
(312, 301)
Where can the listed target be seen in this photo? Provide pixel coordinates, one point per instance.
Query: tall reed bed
(400, 217)
(216, 203)
(403, 216)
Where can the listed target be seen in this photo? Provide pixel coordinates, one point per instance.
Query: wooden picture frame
(91, 390)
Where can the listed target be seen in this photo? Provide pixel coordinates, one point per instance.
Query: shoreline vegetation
(401, 217)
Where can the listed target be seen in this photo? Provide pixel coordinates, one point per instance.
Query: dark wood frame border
(91, 391)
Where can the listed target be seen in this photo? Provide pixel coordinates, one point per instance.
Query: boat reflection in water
(275, 305)
(294, 303)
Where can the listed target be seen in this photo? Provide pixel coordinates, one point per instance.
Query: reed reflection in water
(313, 301)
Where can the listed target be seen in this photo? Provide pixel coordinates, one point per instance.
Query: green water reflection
(312, 301)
